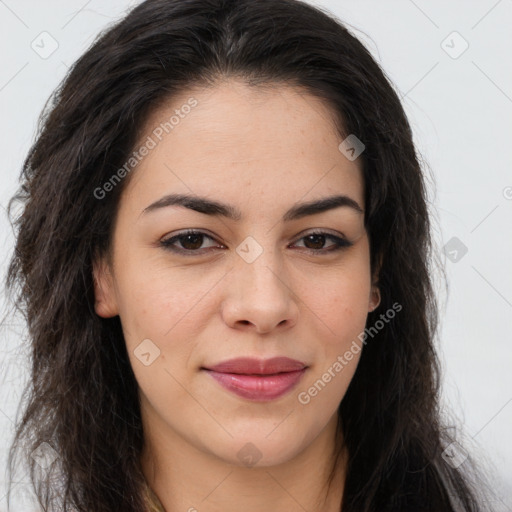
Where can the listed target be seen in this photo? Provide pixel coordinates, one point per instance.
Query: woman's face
(264, 277)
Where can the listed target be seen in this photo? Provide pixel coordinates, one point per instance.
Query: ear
(375, 290)
(105, 304)
(374, 298)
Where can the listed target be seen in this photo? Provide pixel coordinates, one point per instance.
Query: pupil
(197, 238)
(319, 238)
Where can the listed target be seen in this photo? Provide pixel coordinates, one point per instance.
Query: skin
(261, 151)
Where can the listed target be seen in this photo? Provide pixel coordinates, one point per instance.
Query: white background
(461, 113)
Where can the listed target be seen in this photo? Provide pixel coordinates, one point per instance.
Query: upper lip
(254, 366)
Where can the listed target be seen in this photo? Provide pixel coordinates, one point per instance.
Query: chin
(261, 450)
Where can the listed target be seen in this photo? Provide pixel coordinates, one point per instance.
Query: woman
(289, 363)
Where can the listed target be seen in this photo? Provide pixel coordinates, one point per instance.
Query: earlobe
(375, 291)
(105, 304)
(374, 298)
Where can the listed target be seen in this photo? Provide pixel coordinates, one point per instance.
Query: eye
(191, 242)
(314, 242)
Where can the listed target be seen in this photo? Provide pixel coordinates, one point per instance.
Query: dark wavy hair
(82, 393)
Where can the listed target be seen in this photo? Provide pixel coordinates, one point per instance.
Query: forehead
(232, 113)
(274, 141)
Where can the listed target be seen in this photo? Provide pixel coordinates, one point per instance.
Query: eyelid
(320, 231)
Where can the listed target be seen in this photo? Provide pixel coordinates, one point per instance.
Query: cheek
(345, 319)
(337, 353)
(152, 293)
(340, 298)
(167, 307)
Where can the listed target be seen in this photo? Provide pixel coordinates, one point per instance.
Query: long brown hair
(82, 394)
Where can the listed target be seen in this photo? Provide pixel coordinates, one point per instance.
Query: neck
(187, 479)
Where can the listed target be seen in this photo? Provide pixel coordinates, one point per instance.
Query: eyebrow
(219, 209)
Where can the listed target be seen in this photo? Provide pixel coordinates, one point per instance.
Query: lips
(258, 379)
(247, 366)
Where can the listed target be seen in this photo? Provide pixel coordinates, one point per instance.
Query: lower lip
(261, 388)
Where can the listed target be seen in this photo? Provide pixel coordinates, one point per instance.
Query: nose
(258, 296)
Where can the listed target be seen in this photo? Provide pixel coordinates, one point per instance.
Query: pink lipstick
(258, 379)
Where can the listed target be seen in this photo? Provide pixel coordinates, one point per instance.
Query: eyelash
(340, 243)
